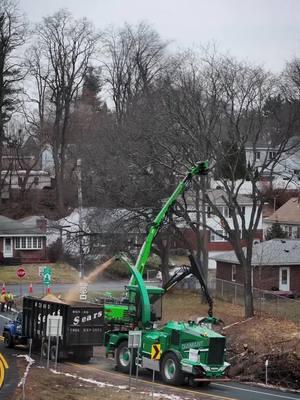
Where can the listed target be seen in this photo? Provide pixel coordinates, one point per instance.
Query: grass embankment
(187, 305)
(61, 273)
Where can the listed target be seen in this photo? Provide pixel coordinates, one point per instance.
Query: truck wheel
(8, 340)
(53, 353)
(170, 370)
(44, 350)
(123, 357)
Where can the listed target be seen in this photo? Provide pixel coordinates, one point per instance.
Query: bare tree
(217, 106)
(134, 61)
(12, 37)
(60, 59)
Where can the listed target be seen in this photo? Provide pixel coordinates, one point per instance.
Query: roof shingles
(271, 252)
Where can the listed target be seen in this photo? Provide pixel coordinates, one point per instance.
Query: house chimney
(41, 223)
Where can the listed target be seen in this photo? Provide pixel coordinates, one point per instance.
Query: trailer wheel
(170, 370)
(53, 354)
(123, 358)
(8, 340)
(44, 350)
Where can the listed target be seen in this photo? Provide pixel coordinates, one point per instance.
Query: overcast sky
(260, 31)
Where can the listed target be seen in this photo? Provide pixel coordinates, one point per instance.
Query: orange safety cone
(30, 289)
(3, 291)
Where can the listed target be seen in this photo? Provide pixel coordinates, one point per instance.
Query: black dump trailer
(82, 326)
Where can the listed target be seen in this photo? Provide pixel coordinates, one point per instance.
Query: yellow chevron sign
(155, 352)
(3, 367)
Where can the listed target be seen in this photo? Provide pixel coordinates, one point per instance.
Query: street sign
(47, 276)
(155, 352)
(54, 325)
(134, 339)
(83, 291)
(21, 272)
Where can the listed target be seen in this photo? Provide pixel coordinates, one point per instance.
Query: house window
(257, 155)
(36, 180)
(23, 243)
(214, 236)
(28, 243)
(233, 272)
(272, 154)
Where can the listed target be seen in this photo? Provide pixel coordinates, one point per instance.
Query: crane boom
(200, 168)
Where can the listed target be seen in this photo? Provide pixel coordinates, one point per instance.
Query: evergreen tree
(276, 232)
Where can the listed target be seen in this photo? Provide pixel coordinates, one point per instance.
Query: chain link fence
(265, 302)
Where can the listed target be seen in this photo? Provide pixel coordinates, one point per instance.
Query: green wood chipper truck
(187, 350)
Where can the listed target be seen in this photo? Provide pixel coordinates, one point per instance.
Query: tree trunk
(248, 295)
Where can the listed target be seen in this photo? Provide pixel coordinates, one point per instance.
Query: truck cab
(12, 331)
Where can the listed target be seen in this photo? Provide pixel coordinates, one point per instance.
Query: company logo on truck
(77, 320)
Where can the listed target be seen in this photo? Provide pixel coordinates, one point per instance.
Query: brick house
(22, 241)
(275, 266)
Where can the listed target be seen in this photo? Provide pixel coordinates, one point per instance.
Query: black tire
(195, 384)
(123, 357)
(204, 384)
(170, 370)
(53, 353)
(9, 341)
(44, 350)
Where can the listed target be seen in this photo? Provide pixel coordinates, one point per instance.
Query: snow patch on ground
(30, 361)
(121, 387)
(164, 396)
(88, 380)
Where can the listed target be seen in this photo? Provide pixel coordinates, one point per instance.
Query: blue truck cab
(12, 332)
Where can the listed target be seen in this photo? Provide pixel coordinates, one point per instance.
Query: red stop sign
(21, 272)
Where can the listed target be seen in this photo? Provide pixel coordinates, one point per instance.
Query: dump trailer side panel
(83, 323)
(85, 326)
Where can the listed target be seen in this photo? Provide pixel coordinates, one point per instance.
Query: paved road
(39, 288)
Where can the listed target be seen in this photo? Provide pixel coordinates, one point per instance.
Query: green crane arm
(145, 302)
(200, 168)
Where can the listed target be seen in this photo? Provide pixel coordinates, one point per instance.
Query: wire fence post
(235, 290)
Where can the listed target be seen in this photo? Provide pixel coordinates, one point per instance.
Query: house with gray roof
(22, 241)
(275, 266)
(288, 217)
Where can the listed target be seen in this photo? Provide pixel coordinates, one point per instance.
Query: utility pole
(79, 176)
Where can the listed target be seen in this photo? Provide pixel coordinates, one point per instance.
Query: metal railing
(265, 302)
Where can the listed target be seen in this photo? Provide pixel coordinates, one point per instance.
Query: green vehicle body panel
(116, 313)
(191, 336)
